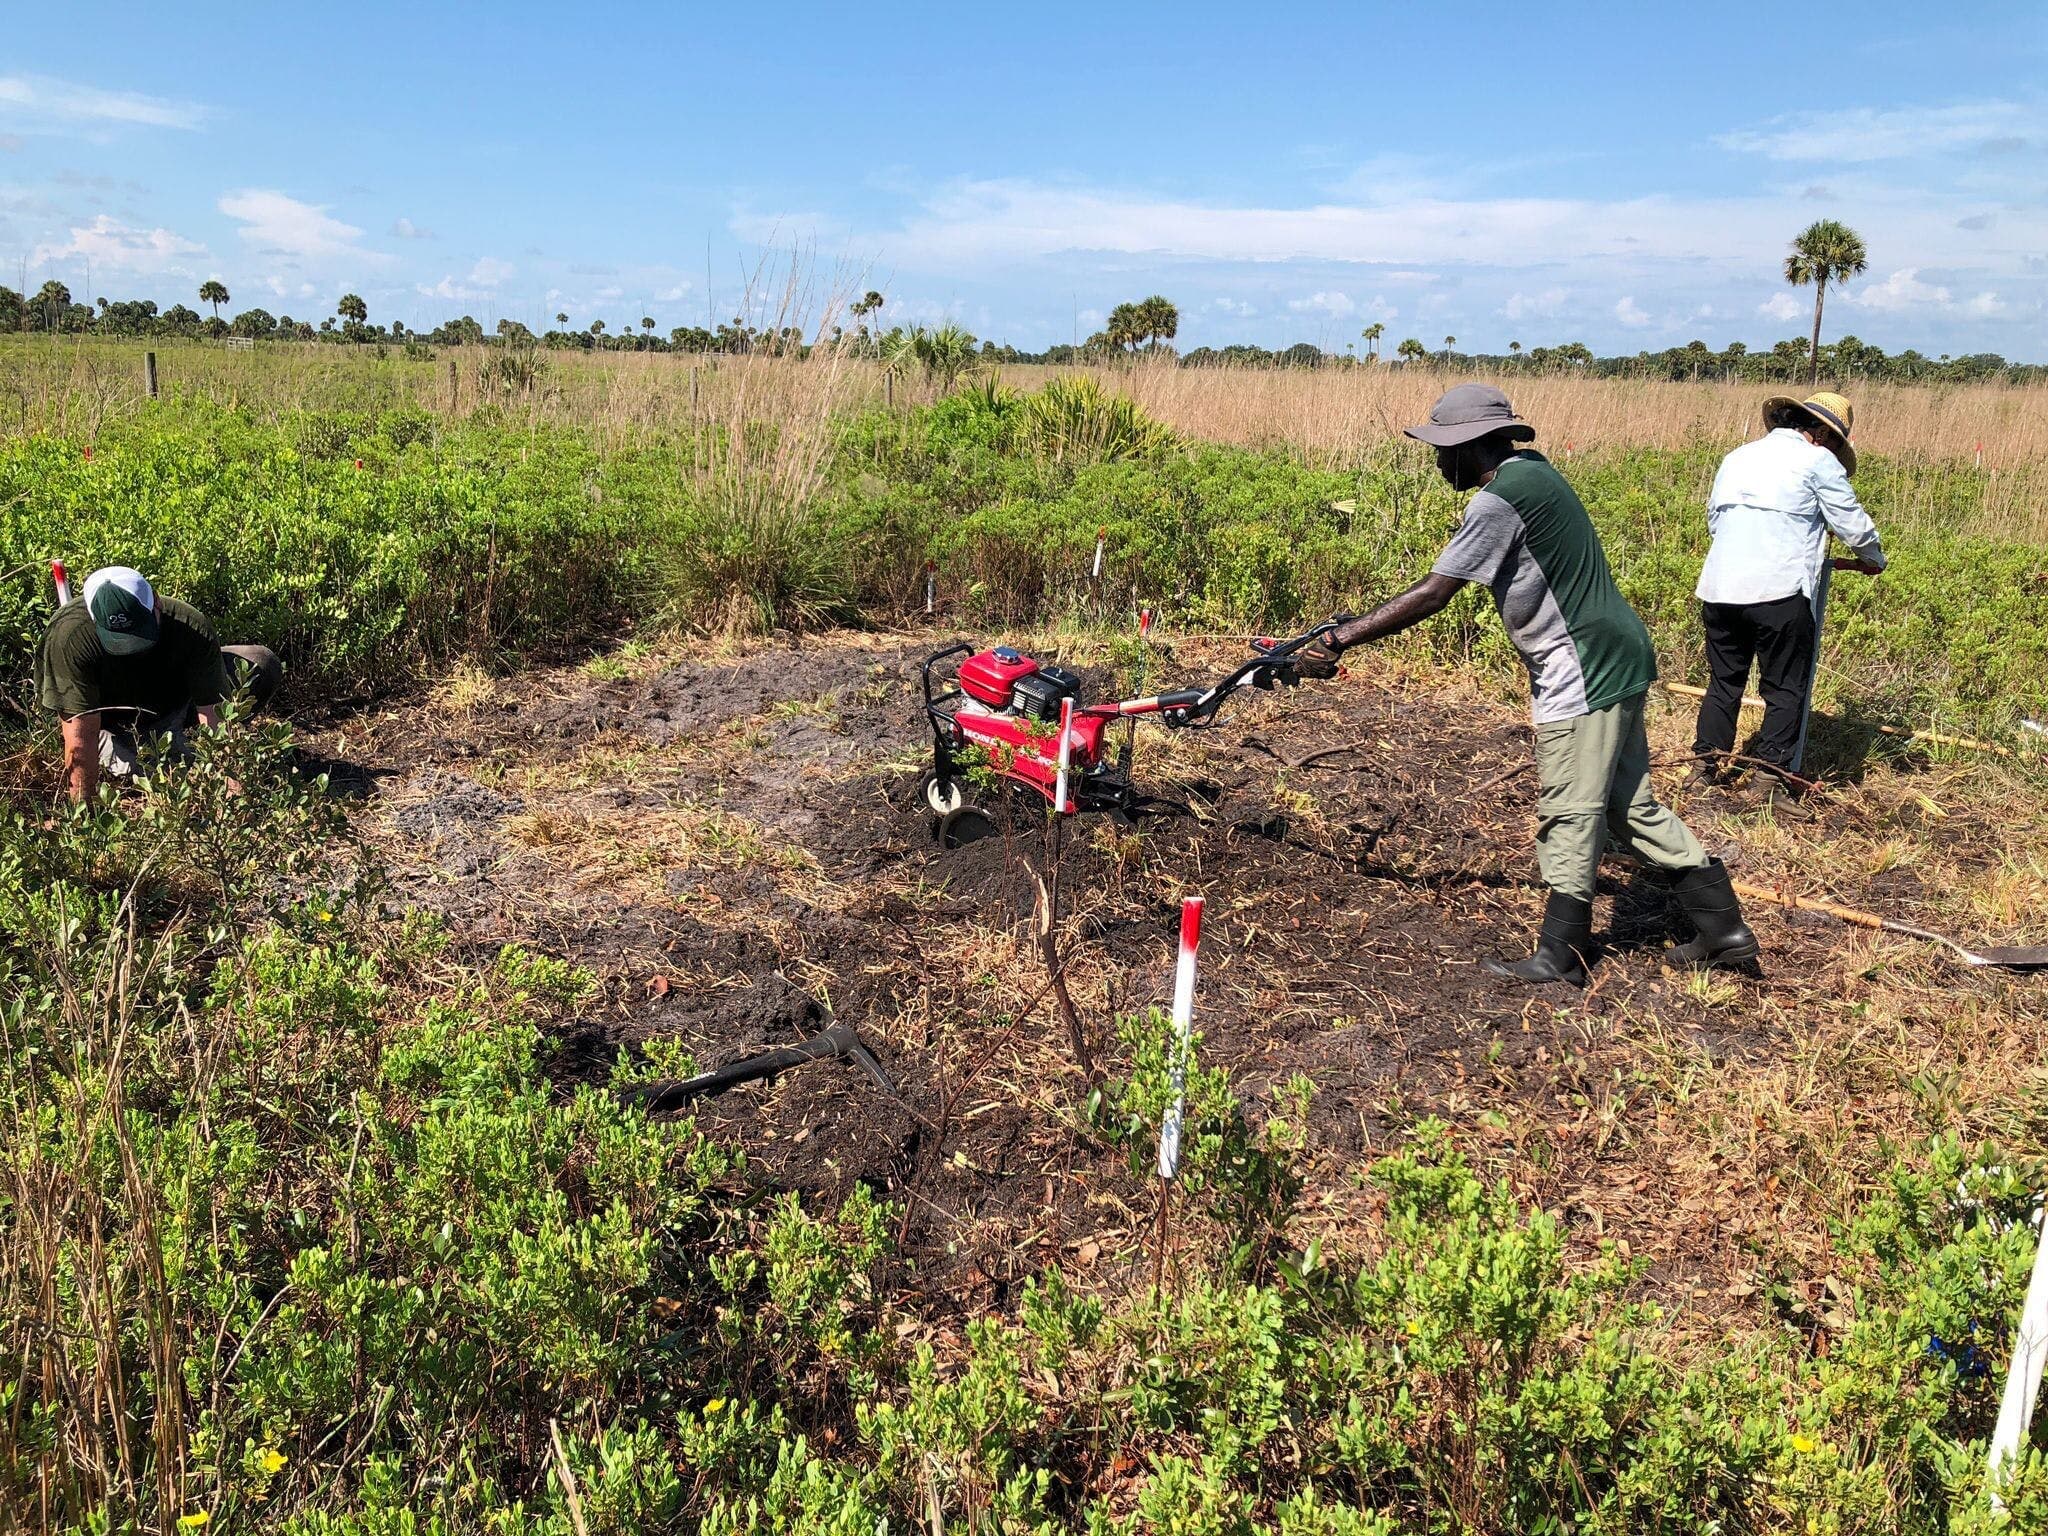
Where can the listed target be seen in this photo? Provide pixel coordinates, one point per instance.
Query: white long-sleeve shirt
(1773, 505)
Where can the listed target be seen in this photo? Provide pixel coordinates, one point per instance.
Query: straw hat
(1823, 409)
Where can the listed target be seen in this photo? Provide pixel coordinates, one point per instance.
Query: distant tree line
(1144, 327)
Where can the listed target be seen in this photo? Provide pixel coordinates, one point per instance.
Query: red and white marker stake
(1101, 538)
(63, 582)
(1060, 805)
(931, 585)
(1144, 622)
(1980, 455)
(1183, 1028)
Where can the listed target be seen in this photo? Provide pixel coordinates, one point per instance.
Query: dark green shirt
(76, 676)
(1528, 539)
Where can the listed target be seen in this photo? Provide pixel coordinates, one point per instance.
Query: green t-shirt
(76, 676)
(1527, 538)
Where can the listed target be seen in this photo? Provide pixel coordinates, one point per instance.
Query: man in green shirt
(121, 665)
(1527, 538)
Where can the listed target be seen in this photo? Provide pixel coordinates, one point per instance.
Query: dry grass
(72, 385)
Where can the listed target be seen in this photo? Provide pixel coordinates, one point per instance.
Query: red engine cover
(989, 678)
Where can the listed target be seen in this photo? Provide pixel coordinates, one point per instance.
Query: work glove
(1317, 661)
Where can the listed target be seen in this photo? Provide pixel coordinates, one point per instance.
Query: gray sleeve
(1486, 543)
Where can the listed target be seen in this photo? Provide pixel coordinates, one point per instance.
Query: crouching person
(120, 666)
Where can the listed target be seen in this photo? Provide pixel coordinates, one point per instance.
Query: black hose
(839, 1040)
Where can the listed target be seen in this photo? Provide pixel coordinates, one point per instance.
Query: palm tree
(1158, 318)
(1515, 350)
(1125, 327)
(647, 322)
(597, 327)
(1826, 251)
(1372, 334)
(1449, 342)
(213, 291)
(353, 308)
(561, 317)
(1411, 351)
(944, 352)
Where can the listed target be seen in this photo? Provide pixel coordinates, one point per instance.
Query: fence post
(454, 386)
(149, 373)
(888, 389)
(693, 391)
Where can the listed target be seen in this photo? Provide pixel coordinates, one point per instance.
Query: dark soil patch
(752, 859)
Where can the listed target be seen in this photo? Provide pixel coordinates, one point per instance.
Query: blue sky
(1625, 175)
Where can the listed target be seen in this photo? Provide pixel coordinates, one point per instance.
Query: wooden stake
(149, 374)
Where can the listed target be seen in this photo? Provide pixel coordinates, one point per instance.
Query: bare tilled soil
(735, 845)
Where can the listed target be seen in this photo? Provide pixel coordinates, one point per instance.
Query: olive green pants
(1594, 777)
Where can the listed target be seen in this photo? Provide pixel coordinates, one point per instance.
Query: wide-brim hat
(1468, 412)
(1824, 409)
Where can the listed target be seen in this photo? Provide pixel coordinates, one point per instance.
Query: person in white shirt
(1774, 503)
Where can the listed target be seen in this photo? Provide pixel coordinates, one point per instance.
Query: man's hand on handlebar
(1317, 661)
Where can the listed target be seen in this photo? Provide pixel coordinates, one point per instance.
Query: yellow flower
(716, 1405)
(1805, 1444)
(1414, 1326)
(272, 1459)
(196, 1519)
(326, 917)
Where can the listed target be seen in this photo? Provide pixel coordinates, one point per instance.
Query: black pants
(1779, 638)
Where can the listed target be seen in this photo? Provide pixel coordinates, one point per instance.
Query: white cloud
(1781, 306)
(272, 221)
(405, 229)
(989, 223)
(489, 272)
(1902, 290)
(1335, 305)
(671, 295)
(1528, 306)
(43, 102)
(1986, 305)
(1630, 313)
(994, 225)
(1867, 133)
(107, 242)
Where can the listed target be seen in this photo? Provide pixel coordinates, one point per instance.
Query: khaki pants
(1594, 772)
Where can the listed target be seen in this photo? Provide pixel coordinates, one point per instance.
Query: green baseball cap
(123, 609)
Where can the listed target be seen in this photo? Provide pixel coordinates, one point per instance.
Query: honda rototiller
(1003, 710)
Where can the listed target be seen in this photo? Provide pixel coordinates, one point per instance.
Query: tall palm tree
(353, 308)
(1449, 342)
(1372, 334)
(561, 317)
(1826, 251)
(1159, 319)
(1411, 351)
(1515, 350)
(213, 291)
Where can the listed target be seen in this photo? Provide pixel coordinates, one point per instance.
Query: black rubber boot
(1567, 937)
(1709, 900)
